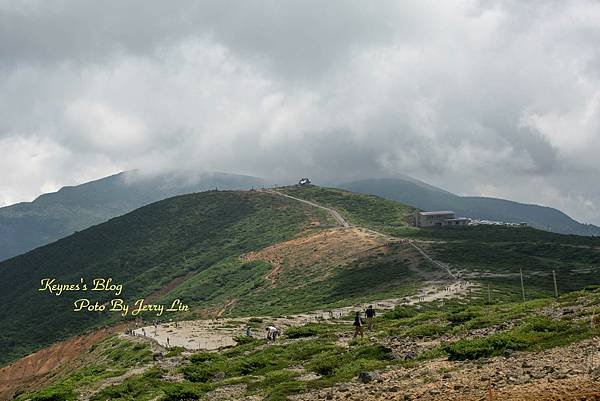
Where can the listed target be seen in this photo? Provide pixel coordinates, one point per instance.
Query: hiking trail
(338, 217)
(218, 333)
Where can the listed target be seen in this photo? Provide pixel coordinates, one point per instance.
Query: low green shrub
(276, 377)
(426, 330)
(544, 325)
(400, 312)
(459, 317)
(325, 364)
(376, 352)
(534, 333)
(54, 395)
(181, 394)
(256, 363)
(241, 340)
(484, 347)
(198, 374)
(308, 330)
(304, 350)
(204, 357)
(281, 391)
(345, 364)
(175, 351)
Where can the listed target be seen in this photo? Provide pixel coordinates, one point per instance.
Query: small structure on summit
(304, 181)
(441, 218)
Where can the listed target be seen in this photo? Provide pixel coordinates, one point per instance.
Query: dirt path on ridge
(338, 217)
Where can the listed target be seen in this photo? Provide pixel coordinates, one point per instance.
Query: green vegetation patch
(533, 334)
(359, 209)
(266, 369)
(381, 276)
(109, 358)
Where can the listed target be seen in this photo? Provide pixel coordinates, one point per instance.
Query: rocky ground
(568, 373)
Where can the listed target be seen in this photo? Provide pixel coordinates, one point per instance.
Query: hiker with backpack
(358, 325)
(272, 333)
(370, 313)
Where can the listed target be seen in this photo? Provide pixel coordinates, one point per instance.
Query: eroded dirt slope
(38, 368)
(335, 246)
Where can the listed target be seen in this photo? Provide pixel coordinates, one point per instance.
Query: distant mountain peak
(27, 225)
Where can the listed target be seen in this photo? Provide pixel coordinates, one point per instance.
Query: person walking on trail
(370, 313)
(249, 331)
(272, 333)
(358, 325)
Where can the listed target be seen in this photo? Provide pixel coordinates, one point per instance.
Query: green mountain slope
(259, 253)
(190, 247)
(143, 250)
(426, 197)
(27, 225)
(359, 209)
(227, 245)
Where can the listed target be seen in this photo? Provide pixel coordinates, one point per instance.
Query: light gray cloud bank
(498, 98)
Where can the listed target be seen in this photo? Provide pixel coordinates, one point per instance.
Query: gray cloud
(480, 97)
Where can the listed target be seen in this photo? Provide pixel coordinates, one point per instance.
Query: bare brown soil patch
(335, 246)
(36, 369)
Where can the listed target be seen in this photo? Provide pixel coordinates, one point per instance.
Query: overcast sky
(495, 98)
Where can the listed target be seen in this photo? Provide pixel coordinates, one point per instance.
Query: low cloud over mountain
(494, 98)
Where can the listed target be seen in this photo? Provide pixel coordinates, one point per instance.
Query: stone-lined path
(214, 334)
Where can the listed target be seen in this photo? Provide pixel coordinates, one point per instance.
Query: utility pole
(522, 286)
(593, 326)
(555, 285)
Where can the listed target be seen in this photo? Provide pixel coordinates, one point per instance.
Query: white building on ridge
(440, 218)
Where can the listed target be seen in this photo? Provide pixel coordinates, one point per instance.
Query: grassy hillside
(426, 197)
(495, 255)
(362, 210)
(320, 285)
(143, 250)
(27, 225)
